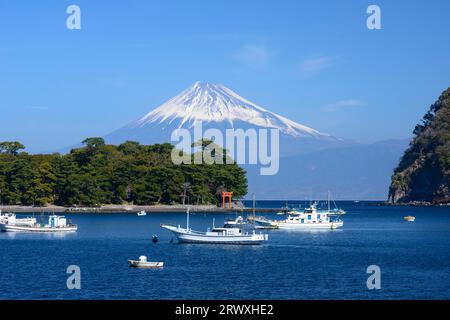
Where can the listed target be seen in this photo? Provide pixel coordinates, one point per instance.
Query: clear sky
(314, 62)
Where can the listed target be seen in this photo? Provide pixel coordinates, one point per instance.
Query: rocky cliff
(423, 173)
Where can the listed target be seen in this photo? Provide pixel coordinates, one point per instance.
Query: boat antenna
(334, 202)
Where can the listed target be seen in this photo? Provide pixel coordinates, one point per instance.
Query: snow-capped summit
(209, 102)
(218, 107)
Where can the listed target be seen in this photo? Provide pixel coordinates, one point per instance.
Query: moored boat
(143, 263)
(306, 223)
(262, 223)
(216, 235)
(11, 218)
(311, 218)
(312, 209)
(239, 222)
(55, 224)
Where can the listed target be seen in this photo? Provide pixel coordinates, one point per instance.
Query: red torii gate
(225, 195)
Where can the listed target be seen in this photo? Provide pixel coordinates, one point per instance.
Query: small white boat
(262, 222)
(11, 218)
(143, 263)
(142, 213)
(311, 218)
(236, 223)
(409, 218)
(55, 224)
(216, 235)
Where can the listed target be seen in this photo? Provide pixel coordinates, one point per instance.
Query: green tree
(102, 174)
(11, 147)
(423, 173)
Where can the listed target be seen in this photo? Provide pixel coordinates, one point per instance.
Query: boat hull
(310, 226)
(145, 264)
(22, 228)
(183, 236)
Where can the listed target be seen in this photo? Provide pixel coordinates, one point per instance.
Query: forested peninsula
(99, 174)
(423, 174)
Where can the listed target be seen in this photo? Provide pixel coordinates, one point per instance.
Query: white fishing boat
(311, 218)
(55, 224)
(215, 235)
(142, 213)
(143, 263)
(300, 222)
(11, 218)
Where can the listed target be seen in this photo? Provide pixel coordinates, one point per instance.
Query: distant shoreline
(416, 204)
(132, 209)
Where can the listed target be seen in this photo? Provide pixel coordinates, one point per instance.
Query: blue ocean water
(414, 259)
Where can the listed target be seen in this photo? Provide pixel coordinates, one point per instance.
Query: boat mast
(328, 200)
(254, 204)
(187, 219)
(253, 210)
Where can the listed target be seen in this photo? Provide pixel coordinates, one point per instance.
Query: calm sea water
(414, 259)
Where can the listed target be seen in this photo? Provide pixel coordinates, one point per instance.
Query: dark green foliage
(423, 173)
(11, 147)
(105, 174)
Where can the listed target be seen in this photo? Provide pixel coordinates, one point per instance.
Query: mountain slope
(423, 173)
(216, 103)
(310, 161)
(218, 107)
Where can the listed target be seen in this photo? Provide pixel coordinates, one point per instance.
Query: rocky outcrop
(423, 173)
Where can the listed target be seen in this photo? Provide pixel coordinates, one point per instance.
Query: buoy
(155, 238)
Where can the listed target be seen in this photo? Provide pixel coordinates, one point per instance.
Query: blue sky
(314, 62)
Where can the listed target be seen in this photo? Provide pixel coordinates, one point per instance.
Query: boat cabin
(7, 218)
(305, 217)
(57, 221)
(224, 232)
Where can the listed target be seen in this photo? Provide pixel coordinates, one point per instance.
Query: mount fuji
(218, 107)
(311, 162)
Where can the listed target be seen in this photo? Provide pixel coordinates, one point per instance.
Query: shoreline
(132, 209)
